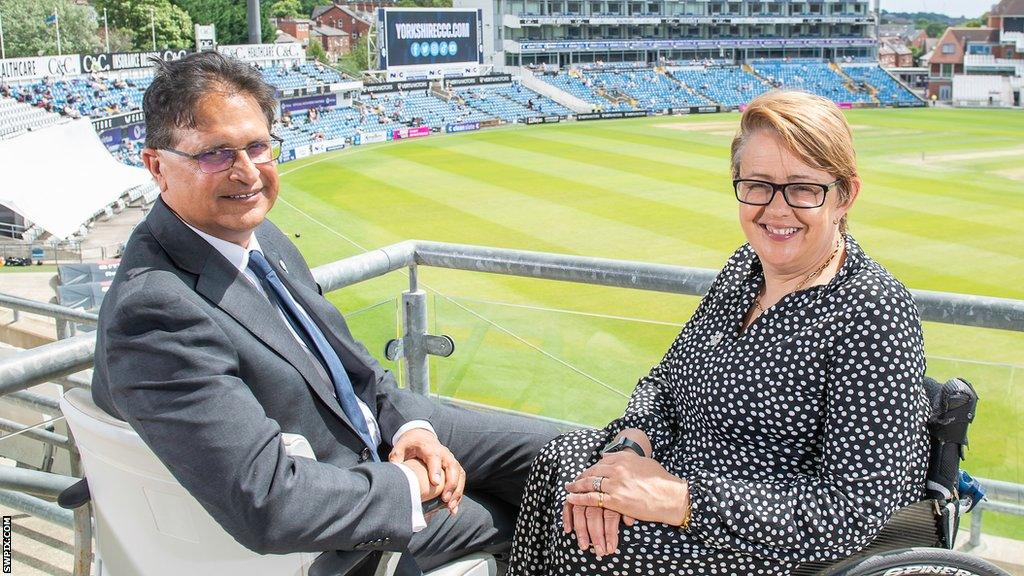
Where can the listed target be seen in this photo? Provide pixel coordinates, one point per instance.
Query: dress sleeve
(652, 406)
(870, 462)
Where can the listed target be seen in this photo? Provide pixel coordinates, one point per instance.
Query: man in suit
(214, 340)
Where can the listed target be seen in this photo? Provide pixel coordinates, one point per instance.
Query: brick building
(335, 42)
(297, 28)
(893, 53)
(948, 58)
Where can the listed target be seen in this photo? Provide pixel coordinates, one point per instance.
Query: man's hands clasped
(439, 473)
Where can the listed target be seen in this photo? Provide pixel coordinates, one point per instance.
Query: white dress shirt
(239, 258)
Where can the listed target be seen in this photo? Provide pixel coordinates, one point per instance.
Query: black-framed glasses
(221, 159)
(796, 194)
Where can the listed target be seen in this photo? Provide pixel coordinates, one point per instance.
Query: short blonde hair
(812, 127)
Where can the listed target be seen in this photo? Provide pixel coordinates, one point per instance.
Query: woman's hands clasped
(621, 487)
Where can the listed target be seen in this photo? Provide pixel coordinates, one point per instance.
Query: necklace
(808, 278)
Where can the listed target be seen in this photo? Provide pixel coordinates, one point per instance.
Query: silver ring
(597, 483)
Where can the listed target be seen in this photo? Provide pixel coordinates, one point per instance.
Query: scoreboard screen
(414, 37)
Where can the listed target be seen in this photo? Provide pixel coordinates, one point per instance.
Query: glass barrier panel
(374, 325)
(569, 366)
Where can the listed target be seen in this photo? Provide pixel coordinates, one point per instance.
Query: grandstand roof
(1009, 8)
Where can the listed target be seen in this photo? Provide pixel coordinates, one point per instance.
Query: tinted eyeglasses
(796, 194)
(221, 159)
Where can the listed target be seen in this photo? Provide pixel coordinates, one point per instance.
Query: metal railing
(62, 359)
(66, 317)
(54, 252)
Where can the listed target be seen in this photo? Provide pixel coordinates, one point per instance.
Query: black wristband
(621, 444)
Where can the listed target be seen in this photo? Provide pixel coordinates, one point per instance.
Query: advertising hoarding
(285, 51)
(404, 133)
(307, 102)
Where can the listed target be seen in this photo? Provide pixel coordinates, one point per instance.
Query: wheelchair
(919, 538)
(146, 523)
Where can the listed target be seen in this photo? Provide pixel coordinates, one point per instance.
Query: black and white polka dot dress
(799, 437)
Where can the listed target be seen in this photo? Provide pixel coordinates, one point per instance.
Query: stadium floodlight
(253, 17)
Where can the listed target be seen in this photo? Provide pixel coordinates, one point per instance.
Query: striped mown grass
(942, 207)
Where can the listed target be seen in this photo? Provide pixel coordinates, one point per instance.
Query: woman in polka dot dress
(787, 421)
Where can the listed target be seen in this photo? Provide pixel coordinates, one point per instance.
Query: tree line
(133, 25)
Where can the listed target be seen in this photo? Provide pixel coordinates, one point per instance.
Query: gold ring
(597, 483)
(600, 499)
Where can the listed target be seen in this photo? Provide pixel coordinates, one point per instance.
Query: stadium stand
(649, 89)
(127, 152)
(300, 76)
(518, 93)
(510, 103)
(18, 117)
(605, 86)
(94, 96)
(729, 86)
(814, 76)
(888, 90)
(574, 84)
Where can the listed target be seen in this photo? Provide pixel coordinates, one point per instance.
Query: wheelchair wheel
(912, 561)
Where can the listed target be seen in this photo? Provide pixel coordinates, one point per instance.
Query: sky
(969, 8)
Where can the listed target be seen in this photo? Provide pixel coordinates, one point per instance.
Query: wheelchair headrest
(953, 405)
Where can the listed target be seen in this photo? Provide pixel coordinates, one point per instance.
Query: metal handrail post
(414, 312)
(976, 516)
(82, 517)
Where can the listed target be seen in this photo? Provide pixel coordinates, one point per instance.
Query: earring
(836, 221)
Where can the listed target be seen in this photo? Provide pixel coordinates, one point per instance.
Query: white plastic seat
(146, 523)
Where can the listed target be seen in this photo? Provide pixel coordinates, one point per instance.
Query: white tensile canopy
(61, 176)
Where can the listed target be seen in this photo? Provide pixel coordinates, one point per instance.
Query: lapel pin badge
(283, 267)
(717, 339)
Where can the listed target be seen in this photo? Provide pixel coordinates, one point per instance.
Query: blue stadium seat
(889, 91)
(729, 86)
(814, 76)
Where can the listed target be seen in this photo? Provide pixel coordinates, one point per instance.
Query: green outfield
(942, 208)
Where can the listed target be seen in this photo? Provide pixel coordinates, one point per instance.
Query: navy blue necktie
(317, 344)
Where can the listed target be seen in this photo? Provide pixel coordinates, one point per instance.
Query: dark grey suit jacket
(203, 367)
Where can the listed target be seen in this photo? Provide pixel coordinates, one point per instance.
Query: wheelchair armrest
(75, 495)
(345, 563)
